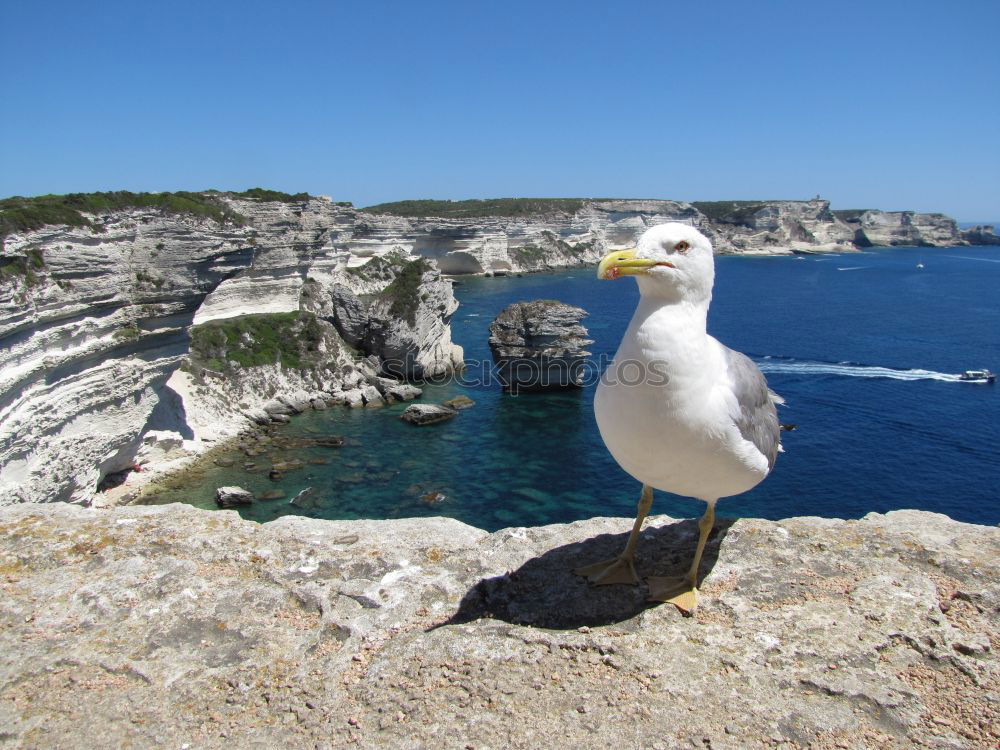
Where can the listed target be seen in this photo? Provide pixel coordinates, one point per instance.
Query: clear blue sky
(871, 104)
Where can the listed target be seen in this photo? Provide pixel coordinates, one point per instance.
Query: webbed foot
(676, 590)
(616, 570)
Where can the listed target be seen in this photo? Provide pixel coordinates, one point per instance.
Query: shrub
(850, 214)
(128, 333)
(380, 268)
(24, 267)
(403, 293)
(729, 212)
(24, 214)
(261, 194)
(512, 207)
(528, 254)
(291, 338)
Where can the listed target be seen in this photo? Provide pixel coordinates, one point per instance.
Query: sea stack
(539, 346)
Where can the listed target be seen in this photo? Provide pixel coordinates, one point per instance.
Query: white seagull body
(678, 433)
(677, 410)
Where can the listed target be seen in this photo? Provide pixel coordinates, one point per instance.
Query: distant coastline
(168, 322)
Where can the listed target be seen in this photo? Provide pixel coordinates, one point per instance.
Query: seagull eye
(682, 247)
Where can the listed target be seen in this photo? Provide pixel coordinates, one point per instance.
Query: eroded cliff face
(95, 325)
(780, 227)
(906, 228)
(580, 235)
(89, 338)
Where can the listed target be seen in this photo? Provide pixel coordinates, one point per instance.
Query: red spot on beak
(613, 273)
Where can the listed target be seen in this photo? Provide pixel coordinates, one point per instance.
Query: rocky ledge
(168, 626)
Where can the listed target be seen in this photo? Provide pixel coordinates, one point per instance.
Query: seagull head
(671, 261)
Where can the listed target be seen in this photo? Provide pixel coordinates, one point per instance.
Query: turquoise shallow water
(862, 346)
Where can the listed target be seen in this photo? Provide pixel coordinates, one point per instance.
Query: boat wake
(966, 257)
(792, 366)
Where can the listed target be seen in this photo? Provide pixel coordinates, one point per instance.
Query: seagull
(676, 409)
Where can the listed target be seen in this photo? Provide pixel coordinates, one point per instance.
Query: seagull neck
(680, 318)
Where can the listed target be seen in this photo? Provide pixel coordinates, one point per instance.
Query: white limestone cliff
(95, 320)
(95, 324)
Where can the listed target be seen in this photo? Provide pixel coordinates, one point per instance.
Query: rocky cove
(126, 315)
(156, 336)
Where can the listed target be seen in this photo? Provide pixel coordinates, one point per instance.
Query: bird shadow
(545, 592)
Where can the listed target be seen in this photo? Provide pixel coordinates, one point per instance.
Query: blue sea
(864, 347)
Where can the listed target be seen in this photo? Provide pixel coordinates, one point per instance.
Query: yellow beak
(624, 263)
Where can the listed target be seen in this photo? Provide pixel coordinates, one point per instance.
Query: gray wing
(758, 419)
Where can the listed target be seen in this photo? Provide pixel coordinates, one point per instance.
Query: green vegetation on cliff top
(729, 212)
(23, 214)
(404, 291)
(18, 213)
(291, 338)
(509, 207)
(380, 268)
(262, 194)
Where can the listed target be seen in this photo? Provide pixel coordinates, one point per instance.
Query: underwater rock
(459, 402)
(305, 500)
(355, 477)
(425, 414)
(433, 498)
(329, 441)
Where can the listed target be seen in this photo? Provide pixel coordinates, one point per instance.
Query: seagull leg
(683, 592)
(621, 569)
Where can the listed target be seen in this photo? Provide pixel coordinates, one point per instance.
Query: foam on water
(791, 366)
(966, 257)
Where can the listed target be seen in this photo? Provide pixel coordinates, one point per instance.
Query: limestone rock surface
(982, 234)
(424, 414)
(230, 497)
(409, 327)
(169, 626)
(93, 340)
(539, 345)
(905, 228)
